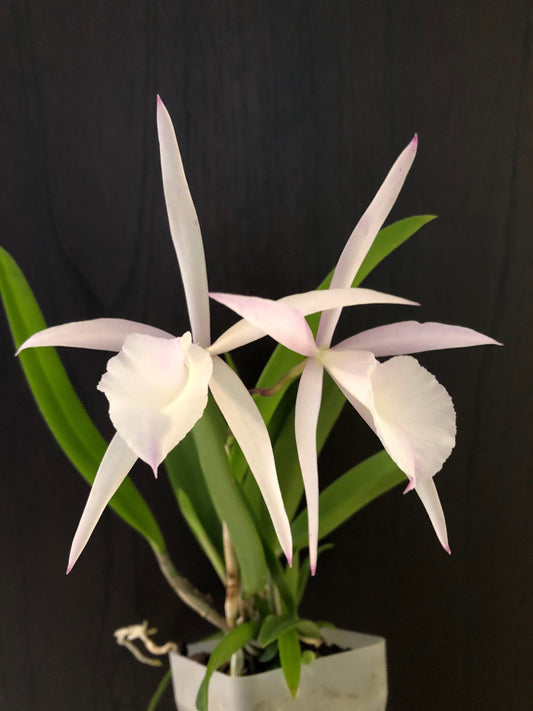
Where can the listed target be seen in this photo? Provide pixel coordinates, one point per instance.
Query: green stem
(161, 688)
(282, 382)
(187, 592)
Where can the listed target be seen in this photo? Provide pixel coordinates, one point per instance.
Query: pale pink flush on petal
(309, 302)
(364, 234)
(157, 390)
(307, 408)
(184, 228)
(414, 337)
(103, 334)
(282, 322)
(114, 468)
(244, 420)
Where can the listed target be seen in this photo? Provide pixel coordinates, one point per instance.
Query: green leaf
(228, 645)
(60, 406)
(308, 628)
(388, 240)
(161, 688)
(185, 475)
(189, 514)
(273, 626)
(268, 653)
(210, 437)
(290, 657)
(348, 494)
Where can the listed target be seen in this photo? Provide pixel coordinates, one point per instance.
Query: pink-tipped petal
(427, 492)
(184, 228)
(414, 417)
(364, 234)
(305, 422)
(157, 390)
(103, 334)
(283, 323)
(307, 303)
(414, 337)
(248, 428)
(114, 467)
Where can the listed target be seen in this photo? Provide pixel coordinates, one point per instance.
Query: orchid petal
(244, 332)
(414, 337)
(157, 390)
(364, 234)
(283, 323)
(103, 334)
(352, 371)
(427, 492)
(248, 428)
(414, 417)
(305, 423)
(114, 467)
(184, 228)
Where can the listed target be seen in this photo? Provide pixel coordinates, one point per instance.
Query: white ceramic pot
(355, 680)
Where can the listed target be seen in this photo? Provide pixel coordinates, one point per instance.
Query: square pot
(355, 680)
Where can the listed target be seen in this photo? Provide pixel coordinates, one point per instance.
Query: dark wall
(289, 115)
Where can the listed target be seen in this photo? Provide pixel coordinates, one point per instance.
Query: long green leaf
(290, 657)
(228, 645)
(210, 437)
(275, 625)
(195, 524)
(60, 406)
(282, 359)
(185, 475)
(348, 494)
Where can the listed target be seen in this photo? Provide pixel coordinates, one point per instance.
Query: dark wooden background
(289, 115)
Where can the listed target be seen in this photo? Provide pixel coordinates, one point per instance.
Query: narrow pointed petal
(244, 332)
(364, 234)
(414, 417)
(184, 228)
(282, 322)
(248, 427)
(115, 466)
(414, 337)
(103, 334)
(305, 423)
(427, 492)
(157, 390)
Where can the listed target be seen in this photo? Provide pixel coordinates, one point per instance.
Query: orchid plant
(239, 461)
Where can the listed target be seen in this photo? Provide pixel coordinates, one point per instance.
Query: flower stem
(159, 691)
(187, 592)
(282, 382)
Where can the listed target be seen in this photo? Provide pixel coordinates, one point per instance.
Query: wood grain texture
(288, 116)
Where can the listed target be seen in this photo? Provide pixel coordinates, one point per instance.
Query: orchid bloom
(411, 413)
(157, 385)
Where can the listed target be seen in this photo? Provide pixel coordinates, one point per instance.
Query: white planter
(355, 680)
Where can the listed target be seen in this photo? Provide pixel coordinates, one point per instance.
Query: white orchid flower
(411, 413)
(157, 385)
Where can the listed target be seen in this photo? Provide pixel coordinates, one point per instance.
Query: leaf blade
(209, 435)
(59, 404)
(290, 657)
(349, 493)
(234, 640)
